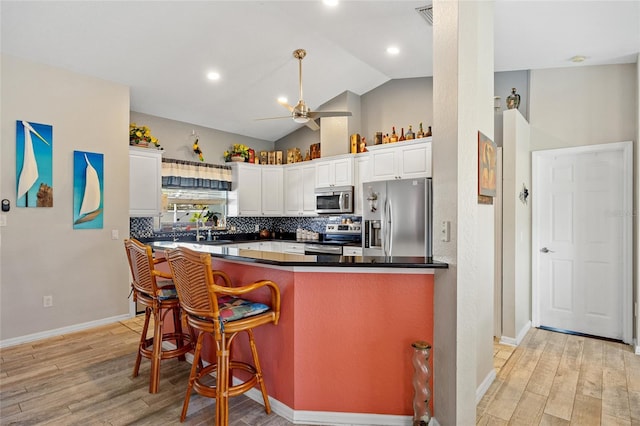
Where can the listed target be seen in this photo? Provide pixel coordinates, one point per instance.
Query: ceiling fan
(300, 112)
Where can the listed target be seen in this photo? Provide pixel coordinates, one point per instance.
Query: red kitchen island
(341, 352)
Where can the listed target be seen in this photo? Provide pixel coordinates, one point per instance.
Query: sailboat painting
(34, 175)
(88, 186)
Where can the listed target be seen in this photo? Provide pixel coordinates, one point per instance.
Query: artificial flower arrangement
(237, 149)
(197, 150)
(141, 135)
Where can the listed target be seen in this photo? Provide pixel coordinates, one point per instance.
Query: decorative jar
(421, 374)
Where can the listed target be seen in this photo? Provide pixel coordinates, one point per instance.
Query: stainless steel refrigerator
(398, 218)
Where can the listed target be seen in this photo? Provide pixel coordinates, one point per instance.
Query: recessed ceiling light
(331, 3)
(578, 58)
(213, 75)
(393, 50)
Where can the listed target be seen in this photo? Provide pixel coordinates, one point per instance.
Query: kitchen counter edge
(290, 259)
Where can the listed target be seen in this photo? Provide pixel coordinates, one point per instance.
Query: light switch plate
(115, 234)
(3, 220)
(445, 231)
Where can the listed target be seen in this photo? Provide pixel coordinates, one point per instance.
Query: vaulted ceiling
(164, 50)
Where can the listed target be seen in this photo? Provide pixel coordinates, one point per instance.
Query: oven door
(323, 249)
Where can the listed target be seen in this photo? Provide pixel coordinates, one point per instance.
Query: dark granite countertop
(217, 249)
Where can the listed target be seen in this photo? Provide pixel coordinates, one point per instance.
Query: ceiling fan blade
(316, 114)
(272, 118)
(312, 125)
(286, 105)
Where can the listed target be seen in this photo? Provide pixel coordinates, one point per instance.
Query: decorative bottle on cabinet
(402, 138)
(394, 136)
(422, 392)
(410, 135)
(426, 135)
(513, 100)
(420, 132)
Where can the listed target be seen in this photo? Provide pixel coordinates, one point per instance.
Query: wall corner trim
(510, 341)
(484, 386)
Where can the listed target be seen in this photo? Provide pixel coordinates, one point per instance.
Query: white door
(582, 233)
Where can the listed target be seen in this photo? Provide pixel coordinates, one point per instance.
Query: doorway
(582, 239)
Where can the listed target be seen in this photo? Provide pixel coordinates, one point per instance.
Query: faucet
(198, 236)
(198, 222)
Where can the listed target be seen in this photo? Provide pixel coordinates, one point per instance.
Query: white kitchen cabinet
(351, 251)
(145, 182)
(362, 174)
(272, 190)
(291, 247)
(275, 246)
(257, 190)
(299, 186)
(254, 245)
(334, 172)
(245, 199)
(402, 160)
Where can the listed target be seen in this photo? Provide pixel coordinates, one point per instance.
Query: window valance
(190, 174)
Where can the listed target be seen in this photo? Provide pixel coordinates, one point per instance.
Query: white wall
(84, 270)
(463, 304)
(636, 208)
(516, 228)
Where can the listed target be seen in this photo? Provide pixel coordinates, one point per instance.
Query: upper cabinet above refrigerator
(401, 160)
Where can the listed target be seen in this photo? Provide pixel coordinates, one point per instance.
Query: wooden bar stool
(219, 311)
(159, 298)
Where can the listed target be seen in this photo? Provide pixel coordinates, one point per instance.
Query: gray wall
(177, 139)
(40, 254)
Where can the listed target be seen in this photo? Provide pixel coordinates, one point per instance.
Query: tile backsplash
(142, 227)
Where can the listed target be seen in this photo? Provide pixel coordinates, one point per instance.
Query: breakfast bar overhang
(343, 344)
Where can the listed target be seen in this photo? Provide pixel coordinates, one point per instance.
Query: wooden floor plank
(506, 398)
(563, 388)
(587, 411)
(529, 409)
(590, 380)
(615, 397)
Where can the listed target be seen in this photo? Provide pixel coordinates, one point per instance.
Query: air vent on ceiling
(426, 12)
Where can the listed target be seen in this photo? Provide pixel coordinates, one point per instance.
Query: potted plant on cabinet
(238, 152)
(141, 136)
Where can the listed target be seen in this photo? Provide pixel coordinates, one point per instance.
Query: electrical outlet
(257, 227)
(47, 301)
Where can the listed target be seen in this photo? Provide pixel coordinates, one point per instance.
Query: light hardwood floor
(85, 378)
(560, 379)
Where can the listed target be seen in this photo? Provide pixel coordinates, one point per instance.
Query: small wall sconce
(524, 194)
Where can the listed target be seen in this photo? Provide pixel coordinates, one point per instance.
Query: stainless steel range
(336, 236)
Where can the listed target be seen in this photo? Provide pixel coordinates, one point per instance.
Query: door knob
(546, 250)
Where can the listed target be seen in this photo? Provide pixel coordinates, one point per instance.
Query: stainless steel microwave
(336, 199)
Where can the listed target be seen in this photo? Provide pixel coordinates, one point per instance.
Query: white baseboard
(638, 350)
(484, 386)
(329, 418)
(510, 341)
(59, 331)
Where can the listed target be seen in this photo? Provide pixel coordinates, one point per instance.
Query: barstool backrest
(193, 278)
(141, 263)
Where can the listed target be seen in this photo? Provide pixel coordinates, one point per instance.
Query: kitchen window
(184, 209)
